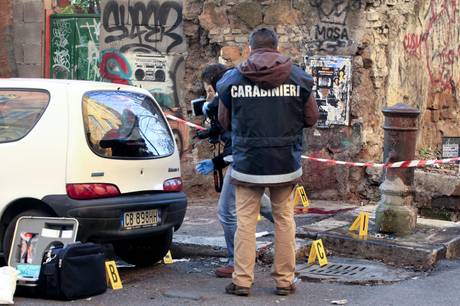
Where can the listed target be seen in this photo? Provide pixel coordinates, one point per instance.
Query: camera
(197, 106)
(213, 132)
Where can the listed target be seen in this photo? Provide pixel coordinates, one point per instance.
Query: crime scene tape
(399, 164)
(193, 125)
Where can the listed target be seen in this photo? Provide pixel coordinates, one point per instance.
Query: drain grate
(352, 271)
(337, 270)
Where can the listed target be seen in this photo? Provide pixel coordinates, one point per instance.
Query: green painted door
(74, 47)
(62, 57)
(87, 48)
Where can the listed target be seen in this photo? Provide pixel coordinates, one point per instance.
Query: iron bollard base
(395, 219)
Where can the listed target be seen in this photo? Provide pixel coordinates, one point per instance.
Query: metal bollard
(395, 213)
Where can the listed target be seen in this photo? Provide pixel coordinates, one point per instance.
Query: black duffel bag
(73, 272)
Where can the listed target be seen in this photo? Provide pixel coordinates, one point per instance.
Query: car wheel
(144, 251)
(8, 237)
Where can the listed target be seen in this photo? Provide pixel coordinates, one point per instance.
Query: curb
(418, 257)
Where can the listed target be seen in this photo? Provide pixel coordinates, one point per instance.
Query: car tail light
(174, 184)
(91, 191)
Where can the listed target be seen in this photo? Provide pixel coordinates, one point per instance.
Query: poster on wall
(332, 88)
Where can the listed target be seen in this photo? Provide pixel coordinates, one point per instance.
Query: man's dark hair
(263, 38)
(212, 74)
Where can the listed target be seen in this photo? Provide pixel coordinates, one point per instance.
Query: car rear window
(20, 110)
(125, 125)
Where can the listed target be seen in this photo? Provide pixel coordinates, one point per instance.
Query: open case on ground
(33, 237)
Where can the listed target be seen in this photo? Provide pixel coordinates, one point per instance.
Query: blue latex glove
(205, 167)
(205, 108)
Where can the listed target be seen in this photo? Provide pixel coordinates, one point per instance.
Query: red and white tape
(193, 125)
(400, 164)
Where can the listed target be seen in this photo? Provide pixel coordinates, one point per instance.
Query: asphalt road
(193, 283)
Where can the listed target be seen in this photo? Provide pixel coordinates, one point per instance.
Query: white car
(98, 152)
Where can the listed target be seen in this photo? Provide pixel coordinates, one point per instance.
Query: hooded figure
(266, 102)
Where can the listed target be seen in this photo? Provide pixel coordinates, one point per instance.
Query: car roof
(39, 82)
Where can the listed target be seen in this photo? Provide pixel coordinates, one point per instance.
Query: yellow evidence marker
(259, 217)
(361, 223)
(300, 193)
(168, 258)
(112, 275)
(317, 251)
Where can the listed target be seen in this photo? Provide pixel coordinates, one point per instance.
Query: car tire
(9, 232)
(144, 251)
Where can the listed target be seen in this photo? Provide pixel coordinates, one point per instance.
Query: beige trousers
(247, 211)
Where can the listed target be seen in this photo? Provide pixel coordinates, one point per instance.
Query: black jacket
(267, 117)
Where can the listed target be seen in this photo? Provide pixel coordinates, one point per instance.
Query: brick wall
(27, 37)
(7, 62)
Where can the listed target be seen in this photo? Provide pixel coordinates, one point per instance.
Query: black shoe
(285, 290)
(237, 290)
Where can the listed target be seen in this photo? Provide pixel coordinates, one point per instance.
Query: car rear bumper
(100, 219)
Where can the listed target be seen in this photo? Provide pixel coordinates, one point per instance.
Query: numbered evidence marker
(300, 193)
(317, 251)
(112, 275)
(361, 223)
(168, 258)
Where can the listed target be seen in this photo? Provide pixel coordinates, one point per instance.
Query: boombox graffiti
(149, 68)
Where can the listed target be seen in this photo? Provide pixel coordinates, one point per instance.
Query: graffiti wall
(429, 67)
(61, 49)
(142, 43)
(87, 48)
(74, 47)
(332, 31)
(436, 45)
(146, 42)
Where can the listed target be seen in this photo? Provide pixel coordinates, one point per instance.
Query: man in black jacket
(266, 102)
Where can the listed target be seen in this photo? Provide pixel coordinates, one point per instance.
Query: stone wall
(402, 51)
(305, 28)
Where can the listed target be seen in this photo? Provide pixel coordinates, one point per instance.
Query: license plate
(142, 218)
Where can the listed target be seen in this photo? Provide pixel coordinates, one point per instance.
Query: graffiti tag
(88, 39)
(61, 54)
(439, 44)
(144, 26)
(331, 33)
(114, 67)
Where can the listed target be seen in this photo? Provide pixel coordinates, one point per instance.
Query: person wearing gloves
(265, 102)
(226, 205)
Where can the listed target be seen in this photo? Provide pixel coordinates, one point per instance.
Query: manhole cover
(353, 271)
(337, 269)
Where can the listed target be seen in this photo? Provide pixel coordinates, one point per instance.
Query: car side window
(125, 125)
(20, 110)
